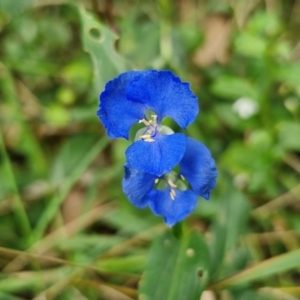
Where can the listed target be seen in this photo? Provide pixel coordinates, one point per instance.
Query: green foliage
(67, 230)
(176, 269)
(98, 41)
(233, 87)
(226, 231)
(11, 8)
(287, 133)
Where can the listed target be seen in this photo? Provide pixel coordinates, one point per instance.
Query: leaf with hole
(98, 41)
(176, 269)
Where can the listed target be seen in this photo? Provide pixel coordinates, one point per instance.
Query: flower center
(172, 185)
(148, 133)
(171, 181)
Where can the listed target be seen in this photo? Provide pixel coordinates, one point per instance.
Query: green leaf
(8, 297)
(98, 41)
(13, 8)
(143, 54)
(250, 294)
(228, 86)
(10, 283)
(264, 24)
(128, 222)
(289, 73)
(11, 187)
(288, 135)
(89, 243)
(132, 264)
(74, 175)
(64, 163)
(227, 231)
(250, 45)
(272, 266)
(13, 117)
(176, 269)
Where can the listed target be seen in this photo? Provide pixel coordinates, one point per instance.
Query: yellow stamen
(145, 136)
(149, 140)
(171, 184)
(173, 194)
(144, 121)
(154, 117)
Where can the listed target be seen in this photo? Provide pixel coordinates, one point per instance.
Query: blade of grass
(27, 142)
(287, 198)
(272, 266)
(55, 237)
(59, 197)
(58, 261)
(41, 258)
(276, 293)
(57, 287)
(8, 297)
(21, 217)
(109, 291)
(294, 290)
(32, 280)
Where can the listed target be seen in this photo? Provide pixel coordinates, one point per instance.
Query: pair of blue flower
(164, 170)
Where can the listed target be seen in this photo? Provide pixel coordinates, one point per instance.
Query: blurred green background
(66, 228)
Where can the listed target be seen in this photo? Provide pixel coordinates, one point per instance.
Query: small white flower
(245, 107)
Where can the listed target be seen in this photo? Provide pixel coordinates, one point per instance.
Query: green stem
(18, 207)
(177, 230)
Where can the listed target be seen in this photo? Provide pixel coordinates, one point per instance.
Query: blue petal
(158, 157)
(136, 185)
(116, 112)
(166, 95)
(198, 167)
(175, 210)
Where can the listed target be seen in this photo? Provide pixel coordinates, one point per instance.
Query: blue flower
(129, 97)
(173, 196)
(150, 179)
